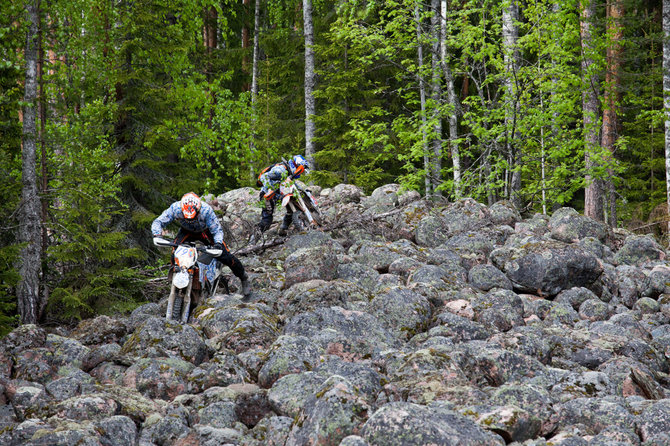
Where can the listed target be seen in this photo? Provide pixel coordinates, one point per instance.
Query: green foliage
(11, 94)
(91, 267)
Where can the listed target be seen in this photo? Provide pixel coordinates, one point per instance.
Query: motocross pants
(268, 211)
(227, 258)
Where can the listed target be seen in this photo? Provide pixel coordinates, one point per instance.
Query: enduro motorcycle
(196, 275)
(306, 212)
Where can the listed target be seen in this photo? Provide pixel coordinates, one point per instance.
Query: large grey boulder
(547, 268)
(289, 394)
(401, 311)
(383, 199)
(222, 370)
(658, 282)
(99, 330)
(117, 430)
(510, 422)
(333, 413)
(595, 414)
(309, 264)
(500, 309)
(346, 193)
(655, 420)
(288, 354)
(376, 255)
(160, 338)
(487, 277)
(639, 249)
(407, 424)
(474, 247)
(567, 225)
(431, 231)
(66, 351)
(459, 328)
(313, 294)
(159, 378)
(353, 335)
(504, 213)
(465, 215)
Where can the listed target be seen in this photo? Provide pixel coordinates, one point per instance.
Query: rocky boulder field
(404, 322)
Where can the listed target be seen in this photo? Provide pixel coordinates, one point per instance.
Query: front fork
(186, 305)
(187, 302)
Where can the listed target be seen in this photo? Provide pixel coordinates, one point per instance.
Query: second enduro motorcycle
(306, 212)
(196, 275)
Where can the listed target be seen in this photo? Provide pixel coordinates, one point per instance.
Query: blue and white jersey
(206, 219)
(273, 177)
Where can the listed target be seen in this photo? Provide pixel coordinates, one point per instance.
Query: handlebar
(160, 241)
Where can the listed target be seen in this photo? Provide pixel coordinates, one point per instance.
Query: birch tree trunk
(615, 12)
(30, 302)
(422, 97)
(666, 96)
(436, 96)
(510, 33)
(593, 197)
(310, 81)
(453, 102)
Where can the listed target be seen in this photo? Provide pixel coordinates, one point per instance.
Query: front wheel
(299, 220)
(176, 308)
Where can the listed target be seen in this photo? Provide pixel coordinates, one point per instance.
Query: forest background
(112, 109)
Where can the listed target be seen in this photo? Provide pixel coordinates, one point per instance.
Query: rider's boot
(246, 287)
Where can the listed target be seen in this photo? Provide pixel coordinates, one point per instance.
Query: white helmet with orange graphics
(190, 205)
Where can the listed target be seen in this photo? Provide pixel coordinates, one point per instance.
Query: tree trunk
(436, 96)
(30, 302)
(254, 78)
(666, 96)
(256, 54)
(245, 45)
(615, 12)
(453, 102)
(510, 34)
(310, 81)
(43, 150)
(422, 97)
(593, 197)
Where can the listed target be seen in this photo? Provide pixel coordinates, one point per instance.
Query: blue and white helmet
(298, 165)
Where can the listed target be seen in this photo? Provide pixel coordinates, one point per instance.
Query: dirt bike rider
(199, 223)
(270, 179)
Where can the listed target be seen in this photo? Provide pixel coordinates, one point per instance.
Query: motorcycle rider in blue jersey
(198, 222)
(270, 179)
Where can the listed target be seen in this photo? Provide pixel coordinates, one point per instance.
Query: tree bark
(453, 102)
(422, 98)
(256, 53)
(436, 96)
(245, 45)
(666, 96)
(593, 197)
(310, 81)
(615, 12)
(254, 78)
(510, 34)
(30, 302)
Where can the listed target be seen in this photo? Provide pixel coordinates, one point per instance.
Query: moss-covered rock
(407, 424)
